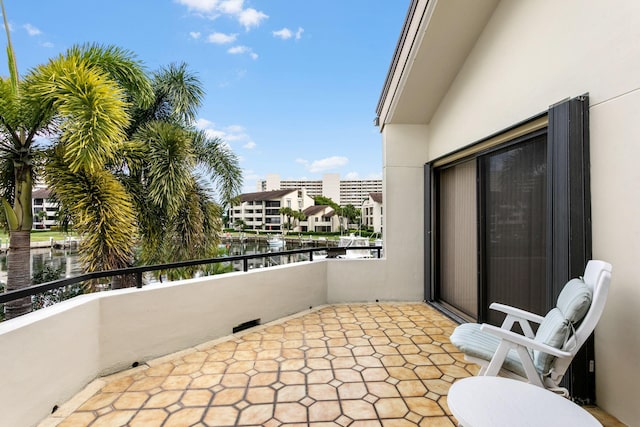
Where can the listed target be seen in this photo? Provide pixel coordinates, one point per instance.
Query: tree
(327, 201)
(240, 224)
(298, 216)
(78, 99)
(288, 214)
(167, 169)
(351, 213)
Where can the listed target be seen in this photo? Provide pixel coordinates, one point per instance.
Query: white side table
(496, 401)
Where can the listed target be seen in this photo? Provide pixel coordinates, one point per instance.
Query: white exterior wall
(247, 212)
(331, 186)
(532, 54)
(374, 219)
(49, 355)
(404, 154)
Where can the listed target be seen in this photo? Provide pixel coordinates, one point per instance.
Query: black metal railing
(137, 272)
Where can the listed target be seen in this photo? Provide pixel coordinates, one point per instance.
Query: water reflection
(65, 261)
(271, 258)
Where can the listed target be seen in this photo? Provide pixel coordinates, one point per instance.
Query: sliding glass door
(491, 227)
(458, 229)
(513, 209)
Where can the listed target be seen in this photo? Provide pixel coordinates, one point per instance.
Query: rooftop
(357, 365)
(265, 195)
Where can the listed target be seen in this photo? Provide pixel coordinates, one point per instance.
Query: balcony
(166, 355)
(360, 364)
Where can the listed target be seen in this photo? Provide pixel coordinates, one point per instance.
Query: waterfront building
(371, 212)
(343, 192)
(261, 210)
(320, 218)
(43, 202)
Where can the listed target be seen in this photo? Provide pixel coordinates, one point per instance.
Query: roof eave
(436, 39)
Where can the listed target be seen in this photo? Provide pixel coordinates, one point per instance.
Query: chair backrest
(556, 328)
(597, 276)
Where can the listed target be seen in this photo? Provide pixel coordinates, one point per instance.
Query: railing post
(378, 250)
(139, 280)
(245, 264)
(311, 255)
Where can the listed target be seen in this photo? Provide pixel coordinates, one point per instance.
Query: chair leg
(532, 374)
(498, 359)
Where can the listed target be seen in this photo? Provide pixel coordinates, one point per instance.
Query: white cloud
(47, 44)
(231, 7)
(221, 38)
(239, 50)
(200, 5)
(31, 30)
(195, 34)
(231, 133)
(284, 34)
(251, 18)
(377, 175)
(248, 17)
(322, 165)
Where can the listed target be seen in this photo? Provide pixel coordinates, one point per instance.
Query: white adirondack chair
(544, 357)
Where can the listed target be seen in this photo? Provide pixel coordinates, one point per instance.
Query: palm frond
(101, 209)
(11, 56)
(179, 93)
(121, 66)
(170, 163)
(92, 107)
(221, 164)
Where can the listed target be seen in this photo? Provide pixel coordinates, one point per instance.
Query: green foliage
(351, 213)
(101, 210)
(326, 201)
(127, 166)
(45, 299)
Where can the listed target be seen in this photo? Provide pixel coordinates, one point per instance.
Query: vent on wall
(246, 325)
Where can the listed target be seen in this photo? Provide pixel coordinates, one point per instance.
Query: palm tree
(166, 170)
(288, 214)
(76, 98)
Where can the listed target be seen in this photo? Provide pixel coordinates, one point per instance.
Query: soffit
(439, 36)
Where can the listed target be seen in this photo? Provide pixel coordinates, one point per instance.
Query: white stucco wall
(404, 154)
(49, 355)
(532, 54)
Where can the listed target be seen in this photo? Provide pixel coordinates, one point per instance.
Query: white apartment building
(371, 212)
(320, 218)
(261, 210)
(347, 192)
(42, 202)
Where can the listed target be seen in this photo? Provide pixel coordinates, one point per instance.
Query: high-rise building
(347, 192)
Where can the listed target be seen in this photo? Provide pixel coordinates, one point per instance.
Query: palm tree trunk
(18, 272)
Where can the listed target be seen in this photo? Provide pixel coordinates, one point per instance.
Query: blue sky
(291, 85)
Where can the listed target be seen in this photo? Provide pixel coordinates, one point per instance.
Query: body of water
(67, 261)
(59, 259)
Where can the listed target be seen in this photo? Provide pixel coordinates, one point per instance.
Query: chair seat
(473, 342)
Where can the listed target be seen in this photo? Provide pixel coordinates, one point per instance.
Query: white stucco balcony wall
(49, 355)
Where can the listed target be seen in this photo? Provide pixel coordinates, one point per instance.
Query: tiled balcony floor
(359, 365)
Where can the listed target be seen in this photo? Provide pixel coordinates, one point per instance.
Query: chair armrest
(523, 341)
(516, 312)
